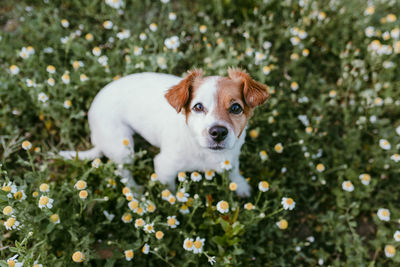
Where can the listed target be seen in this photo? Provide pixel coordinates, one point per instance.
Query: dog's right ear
(179, 95)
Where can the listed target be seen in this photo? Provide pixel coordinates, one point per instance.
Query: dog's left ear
(179, 95)
(255, 93)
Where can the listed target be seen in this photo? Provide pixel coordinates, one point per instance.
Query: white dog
(197, 122)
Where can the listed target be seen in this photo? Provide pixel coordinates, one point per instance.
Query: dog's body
(150, 104)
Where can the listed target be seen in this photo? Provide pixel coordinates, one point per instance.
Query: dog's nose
(218, 133)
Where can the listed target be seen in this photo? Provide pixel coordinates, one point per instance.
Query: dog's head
(217, 108)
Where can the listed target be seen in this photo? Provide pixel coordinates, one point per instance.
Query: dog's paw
(243, 188)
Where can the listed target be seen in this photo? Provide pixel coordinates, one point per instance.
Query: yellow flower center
(184, 207)
(151, 208)
(10, 222)
(181, 175)
(26, 144)
(18, 195)
(233, 186)
(125, 142)
(264, 184)
(80, 185)
(35, 194)
(139, 222)
(249, 206)
(54, 218)
(224, 205)
(83, 194)
(149, 227)
(227, 162)
(172, 200)
(129, 254)
(385, 213)
(125, 190)
(44, 187)
(320, 167)
(180, 194)
(197, 244)
(263, 153)
(189, 243)
(133, 205)
(11, 263)
(165, 193)
(65, 76)
(78, 256)
(129, 197)
(390, 249)
(6, 188)
(43, 200)
(171, 221)
(154, 176)
(348, 184)
(127, 217)
(254, 133)
(289, 201)
(7, 210)
(283, 224)
(144, 249)
(209, 173)
(139, 210)
(159, 234)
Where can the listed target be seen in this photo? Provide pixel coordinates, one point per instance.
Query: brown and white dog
(197, 122)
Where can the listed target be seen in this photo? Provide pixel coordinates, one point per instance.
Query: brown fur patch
(179, 95)
(239, 88)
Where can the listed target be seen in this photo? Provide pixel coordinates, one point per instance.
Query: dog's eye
(235, 109)
(198, 107)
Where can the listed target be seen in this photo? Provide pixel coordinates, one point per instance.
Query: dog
(197, 122)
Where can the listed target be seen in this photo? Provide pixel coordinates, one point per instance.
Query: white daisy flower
(181, 176)
(153, 177)
(188, 244)
(398, 130)
(142, 36)
(395, 157)
(365, 178)
(198, 245)
(348, 186)
(24, 53)
(184, 209)
(258, 57)
(288, 203)
(26, 145)
(124, 34)
(108, 24)
(11, 223)
(137, 51)
(226, 165)
(383, 214)
(153, 27)
(390, 251)
(165, 194)
(83, 78)
(149, 228)
(117, 4)
(263, 155)
(263, 186)
(45, 201)
(396, 236)
(65, 23)
(128, 254)
(80, 185)
(384, 144)
(127, 218)
(294, 86)
(172, 42)
(67, 104)
(96, 51)
(51, 69)
(42, 97)
(8, 210)
(20, 195)
(278, 148)
(13, 262)
(282, 224)
(146, 249)
(172, 221)
(14, 69)
(195, 176)
(55, 218)
(96, 163)
(139, 223)
(103, 60)
(223, 206)
(203, 28)
(51, 81)
(320, 167)
(182, 196)
(162, 63)
(209, 175)
(172, 16)
(295, 40)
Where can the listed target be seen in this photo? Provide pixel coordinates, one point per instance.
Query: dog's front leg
(243, 188)
(165, 170)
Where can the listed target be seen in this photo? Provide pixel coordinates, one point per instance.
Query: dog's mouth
(216, 147)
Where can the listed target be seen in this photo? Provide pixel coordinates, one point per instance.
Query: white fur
(136, 104)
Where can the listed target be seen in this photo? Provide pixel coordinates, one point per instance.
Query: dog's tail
(82, 155)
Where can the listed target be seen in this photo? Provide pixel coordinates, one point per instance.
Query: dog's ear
(179, 95)
(255, 93)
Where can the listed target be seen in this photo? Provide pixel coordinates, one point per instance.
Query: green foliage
(332, 71)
